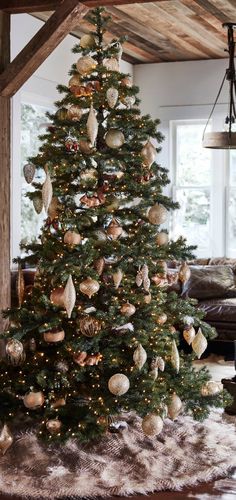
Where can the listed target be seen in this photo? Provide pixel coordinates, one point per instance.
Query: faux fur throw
(185, 453)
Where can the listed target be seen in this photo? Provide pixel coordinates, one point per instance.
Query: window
(231, 206)
(192, 186)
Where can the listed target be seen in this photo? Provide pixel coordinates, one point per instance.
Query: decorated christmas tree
(99, 332)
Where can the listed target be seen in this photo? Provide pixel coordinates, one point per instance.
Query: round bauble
(152, 425)
(157, 214)
(72, 238)
(211, 388)
(74, 81)
(147, 298)
(57, 296)
(53, 337)
(161, 319)
(162, 238)
(33, 400)
(111, 64)
(127, 309)
(118, 384)
(74, 113)
(29, 172)
(14, 348)
(53, 426)
(127, 82)
(89, 326)
(91, 174)
(87, 41)
(114, 138)
(62, 366)
(61, 114)
(86, 65)
(89, 287)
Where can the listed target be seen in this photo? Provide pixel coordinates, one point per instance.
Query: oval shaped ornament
(112, 95)
(29, 172)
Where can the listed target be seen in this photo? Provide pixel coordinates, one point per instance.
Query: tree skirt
(185, 453)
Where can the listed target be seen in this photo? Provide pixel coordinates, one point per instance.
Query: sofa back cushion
(209, 282)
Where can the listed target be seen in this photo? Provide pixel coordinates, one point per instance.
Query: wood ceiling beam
(28, 6)
(67, 15)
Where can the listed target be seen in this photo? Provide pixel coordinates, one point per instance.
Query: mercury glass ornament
(152, 425)
(118, 384)
(114, 138)
(89, 287)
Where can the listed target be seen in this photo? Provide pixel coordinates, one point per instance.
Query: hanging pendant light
(227, 138)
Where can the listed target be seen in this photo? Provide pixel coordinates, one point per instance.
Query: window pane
(33, 123)
(232, 154)
(193, 162)
(232, 222)
(192, 220)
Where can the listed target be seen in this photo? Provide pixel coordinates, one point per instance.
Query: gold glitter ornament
(189, 334)
(53, 426)
(54, 336)
(162, 238)
(118, 384)
(69, 296)
(157, 214)
(148, 154)
(89, 287)
(199, 343)
(87, 41)
(86, 65)
(114, 138)
(33, 400)
(211, 388)
(89, 326)
(152, 425)
(112, 95)
(127, 309)
(117, 278)
(139, 356)
(15, 352)
(184, 272)
(72, 238)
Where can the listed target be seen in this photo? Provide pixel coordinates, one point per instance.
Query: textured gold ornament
(174, 407)
(175, 356)
(20, 285)
(74, 113)
(127, 309)
(57, 296)
(139, 356)
(147, 298)
(118, 384)
(6, 439)
(111, 64)
(47, 192)
(69, 296)
(87, 41)
(74, 81)
(89, 287)
(162, 238)
(152, 425)
(53, 426)
(86, 65)
(61, 114)
(53, 208)
(211, 388)
(184, 272)
(15, 352)
(189, 334)
(92, 126)
(99, 265)
(112, 95)
(33, 400)
(161, 319)
(54, 336)
(29, 172)
(38, 204)
(72, 238)
(114, 230)
(199, 343)
(89, 175)
(148, 154)
(89, 326)
(139, 278)
(117, 278)
(114, 138)
(157, 214)
(160, 363)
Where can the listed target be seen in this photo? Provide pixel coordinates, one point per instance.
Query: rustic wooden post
(5, 173)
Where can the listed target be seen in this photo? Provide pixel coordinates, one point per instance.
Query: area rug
(124, 463)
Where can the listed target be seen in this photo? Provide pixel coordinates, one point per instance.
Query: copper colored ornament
(157, 214)
(90, 326)
(189, 334)
(29, 172)
(118, 384)
(53, 208)
(85, 146)
(38, 204)
(72, 238)
(53, 426)
(90, 201)
(89, 287)
(147, 298)
(162, 238)
(20, 285)
(74, 81)
(127, 82)
(74, 113)
(172, 329)
(34, 400)
(127, 309)
(54, 336)
(148, 154)
(99, 265)
(184, 272)
(114, 138)
(86, 65)
(174, 407)
(57, 296)
(58, 403)
(161, 319)
(6, 439)
(152, 425)
(114, 230)
(80, 357)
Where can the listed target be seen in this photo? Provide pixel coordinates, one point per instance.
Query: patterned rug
(123, 463)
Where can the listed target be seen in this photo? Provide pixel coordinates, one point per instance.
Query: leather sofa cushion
(220, 310)
(209, 282)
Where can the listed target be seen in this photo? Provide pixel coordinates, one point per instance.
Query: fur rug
(185, 453)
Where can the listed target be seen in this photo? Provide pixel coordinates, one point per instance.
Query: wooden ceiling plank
(212, 9)
(41, 45)
(24, 6)
(205, 17)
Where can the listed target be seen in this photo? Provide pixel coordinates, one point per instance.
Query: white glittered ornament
(152, 425)
(92, 126)
(139, 356)
(199, 343)
(118, 384)
(69, 296)
(47, 192)
(157, 214)
(175, 356)
(112, 95)
(211, 388)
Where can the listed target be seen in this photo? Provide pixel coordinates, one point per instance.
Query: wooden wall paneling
(42, 44)
(5, 144)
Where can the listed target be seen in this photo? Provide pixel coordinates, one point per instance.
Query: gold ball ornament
(87, 41)
(53, 337)
(114, 138)
(157, 214)
(86, 65)
(33, 400)
(15, 352)
(53, 208)
(61, 114)
(152, 425)
(161, 319)
(72, 238)
(89, 287)
(89, 326)
(147, 298)
(6, 439)
(29, 172)
(127, 309)
(211, 388)
(74, 81)
(174, 407)
(74, 113)
(162, 238)
(111, 64)
(118, 384)
(54, 426)
(57, 296)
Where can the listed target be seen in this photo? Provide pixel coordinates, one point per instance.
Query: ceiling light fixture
(225, 139)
